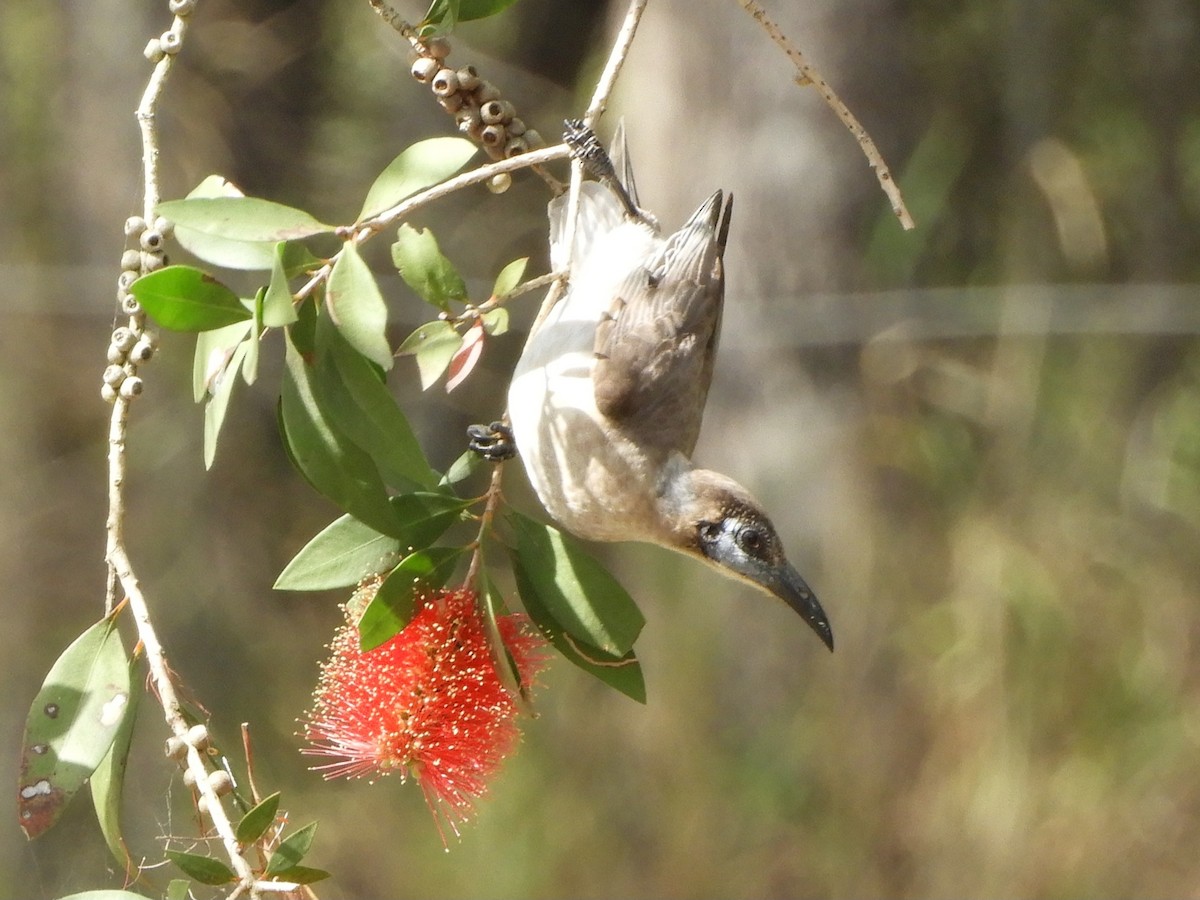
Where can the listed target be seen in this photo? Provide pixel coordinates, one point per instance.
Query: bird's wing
(656, 346)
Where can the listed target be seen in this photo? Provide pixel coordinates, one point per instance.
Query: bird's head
(715, 518)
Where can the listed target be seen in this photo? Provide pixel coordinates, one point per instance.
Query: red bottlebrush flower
(428, 702)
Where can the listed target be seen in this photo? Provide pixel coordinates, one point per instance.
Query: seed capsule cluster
(177, 748)
(479, 110)
(134, 344)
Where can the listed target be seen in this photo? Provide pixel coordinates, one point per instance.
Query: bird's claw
(493, 442)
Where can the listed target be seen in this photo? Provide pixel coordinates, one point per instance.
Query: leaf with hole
(422, 165)
(71, 725)
(344, 553)
(108, 781)
(424, 269)
(184, 298)
(434, 345)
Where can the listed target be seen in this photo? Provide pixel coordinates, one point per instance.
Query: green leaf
(297, 259)
(301, 875)
(509, 277)
(420, 166)
(203, 869)
(462, 468)
(394, 602)
(218, 403)
(218, 250)
(623, 673)
(576, 590)
(250, 364)
(243, 219)
(495, 609)
(72, 724)
(434, 345)
(109, 894)
(443, 15)
(291, 849)
(278, 307)
(343, 554)
(183, 298)
(358, 308)
(214, 350)
(424, 269)
(495, 321)
(424, 517)
(333, 464)
(354, 393)
(108, 781)
(177, 889)
(257, 820)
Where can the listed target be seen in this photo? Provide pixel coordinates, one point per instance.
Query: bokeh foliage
(995, 489)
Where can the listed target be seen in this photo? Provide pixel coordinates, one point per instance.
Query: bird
(607, 397)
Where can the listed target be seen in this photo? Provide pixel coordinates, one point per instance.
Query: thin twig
(120, 569)
(809, 75)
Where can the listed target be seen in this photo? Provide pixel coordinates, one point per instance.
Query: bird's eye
(752, 541)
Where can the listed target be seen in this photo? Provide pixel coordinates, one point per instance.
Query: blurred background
(980, 440)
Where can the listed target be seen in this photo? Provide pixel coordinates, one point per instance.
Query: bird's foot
(493, 442)
(586, 148)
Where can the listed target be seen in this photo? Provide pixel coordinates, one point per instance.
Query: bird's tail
(693, 251)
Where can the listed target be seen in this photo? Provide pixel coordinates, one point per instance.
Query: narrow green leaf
(109, 894)
(358, 308)
(623, 673)
(394, 602)
(509, 277)
(420, 166)
(424, 269)
(434, 345)
(218, 403)
(243, 218)
(278, 307)
(71, 724)
(494, 609)
(333, 464)
(218, 250)
(343, 554)
(354, 393)
(257, 820)
(177, 889)
(203, 869)
(183, 298)
(250, 363)
(291, 849)
(301, 875)
(577, 591)
(214, 349)
(108, 781)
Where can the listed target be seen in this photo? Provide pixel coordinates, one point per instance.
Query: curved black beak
(789, 587)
